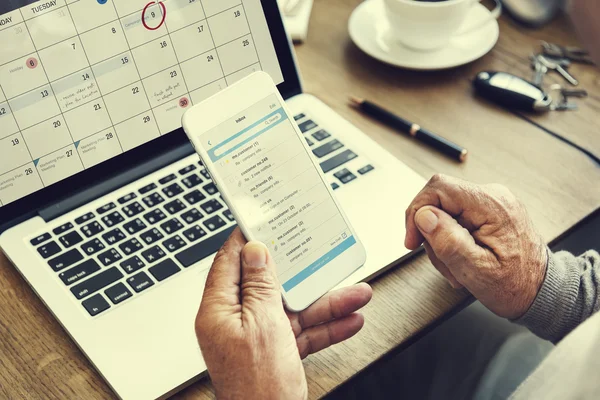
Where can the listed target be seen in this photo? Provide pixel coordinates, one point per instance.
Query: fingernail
(426, 220)
(255, 255)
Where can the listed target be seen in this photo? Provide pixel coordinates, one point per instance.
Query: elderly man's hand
(481, 238)
(251, 345)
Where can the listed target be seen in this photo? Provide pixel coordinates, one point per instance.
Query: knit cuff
(554, 314)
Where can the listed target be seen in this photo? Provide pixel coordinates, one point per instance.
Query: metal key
(572, 53)
(556, 67)
(540, 71)
(564, 107)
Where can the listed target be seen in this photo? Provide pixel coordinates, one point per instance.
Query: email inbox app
(269, 173)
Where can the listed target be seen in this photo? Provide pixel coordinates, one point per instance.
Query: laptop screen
(84, 81)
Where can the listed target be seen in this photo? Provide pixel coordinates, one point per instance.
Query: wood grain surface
(559, 185)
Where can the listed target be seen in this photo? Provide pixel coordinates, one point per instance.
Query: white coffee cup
(429, 26)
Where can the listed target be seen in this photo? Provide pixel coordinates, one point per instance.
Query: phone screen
(276, 189)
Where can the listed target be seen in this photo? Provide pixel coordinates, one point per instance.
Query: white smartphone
(262, 165)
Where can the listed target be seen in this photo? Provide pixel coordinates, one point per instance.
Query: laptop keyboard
(130, 245)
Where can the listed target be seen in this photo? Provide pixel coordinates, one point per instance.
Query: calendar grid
(250, 28)
(140, 75)
(212, 37)
(78, 36)
(93, 75)
(53, 95)
(16, 123)
(95, 65)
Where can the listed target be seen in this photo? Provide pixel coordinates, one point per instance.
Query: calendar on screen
(82, 81)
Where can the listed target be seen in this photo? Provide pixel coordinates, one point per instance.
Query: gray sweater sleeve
(569, 295)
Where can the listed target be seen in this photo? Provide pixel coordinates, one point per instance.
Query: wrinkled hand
(481, 238)
(251, 345)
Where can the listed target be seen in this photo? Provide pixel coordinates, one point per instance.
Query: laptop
(105, 209)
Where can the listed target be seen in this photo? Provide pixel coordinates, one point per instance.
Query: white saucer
(368, 26)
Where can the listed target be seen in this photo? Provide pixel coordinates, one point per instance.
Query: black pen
(437, 142)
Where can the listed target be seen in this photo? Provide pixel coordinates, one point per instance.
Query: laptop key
(63, 228)
(172, 190)
(95, 305)
(194, 197)
(79, 272)
(214, 223)
(310, 142)
(307, 125)
(49, 249)
(114, 236)
(366, 169)
(92, 247)
(96, 283)
(118, 293)
(199, 251)
(321, 135)
(153, 254)
(211, 189)
(106, 208)
(187, 169)
(135, 226)
(174, 244)
(341, 173)
(153, 199)
(211, 206)
(338, 160)
(127, 198)
(113, 219)
(192, 216)
(71, 239)
(151, 236)
(205, 174)
(194, 233)
(109, 257)
(92, 229)
(132, 265)
(40, 239)
(299, 117)
(164, 270)
(65, 260)
(167, 179)
(133, 209)
(229, 215)
(171, 226)
(147, 188)
(154, 216)
(191, 181)
(347, 178)
(328, 148)
(84, 218)
(131, 246)
(335, 186)
(140, 282)
(174, 207)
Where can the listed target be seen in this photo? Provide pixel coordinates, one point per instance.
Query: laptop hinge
(123, 178)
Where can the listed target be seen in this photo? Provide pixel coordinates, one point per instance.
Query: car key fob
(511, 91)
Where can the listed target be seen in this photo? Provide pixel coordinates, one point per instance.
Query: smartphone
(263, 167)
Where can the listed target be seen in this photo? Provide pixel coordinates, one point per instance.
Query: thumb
(259, 276)
(452, 244)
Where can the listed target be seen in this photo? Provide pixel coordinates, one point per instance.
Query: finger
(260, 287)
(334, 305)
(449, 194)
(452, 244)
(441, 267)
(223, 279)
(322, 336)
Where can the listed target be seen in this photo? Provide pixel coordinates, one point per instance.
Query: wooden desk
(558, 184)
